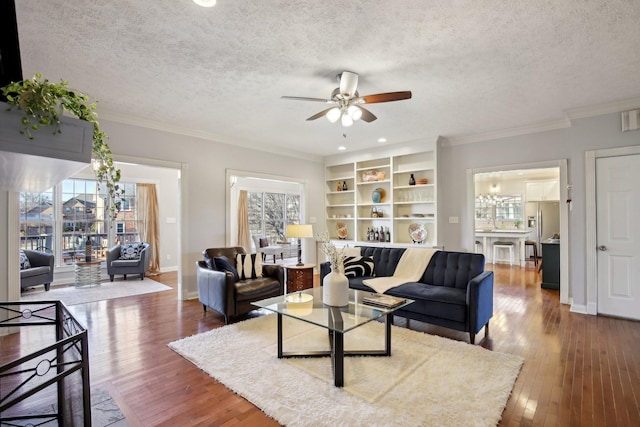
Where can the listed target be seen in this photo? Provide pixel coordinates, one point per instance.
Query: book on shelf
(384, 301)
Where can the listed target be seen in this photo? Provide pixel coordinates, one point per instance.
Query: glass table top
(307, 306)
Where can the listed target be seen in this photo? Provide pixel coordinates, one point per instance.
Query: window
(269, 213)
(61, 219)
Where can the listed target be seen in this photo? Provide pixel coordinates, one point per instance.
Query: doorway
(510, 180)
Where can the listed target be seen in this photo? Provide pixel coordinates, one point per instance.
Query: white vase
(335, 289)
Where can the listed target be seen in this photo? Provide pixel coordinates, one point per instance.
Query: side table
(299, 277)
(87, 273)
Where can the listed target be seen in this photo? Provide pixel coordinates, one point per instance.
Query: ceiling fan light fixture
(205, 3)
(333, 114)
(346, 120)
(354, 112)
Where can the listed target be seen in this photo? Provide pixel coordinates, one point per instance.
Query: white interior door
(618, 235)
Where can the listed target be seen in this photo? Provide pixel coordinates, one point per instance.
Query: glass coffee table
(307, 306)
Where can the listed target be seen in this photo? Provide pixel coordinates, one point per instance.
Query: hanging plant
(43, 103)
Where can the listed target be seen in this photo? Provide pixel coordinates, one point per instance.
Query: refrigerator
(544, 219)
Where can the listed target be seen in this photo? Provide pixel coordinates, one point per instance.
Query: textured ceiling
(473, 66)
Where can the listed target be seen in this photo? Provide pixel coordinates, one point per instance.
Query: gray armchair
(40, 272)
(220, 291)
(138, 265)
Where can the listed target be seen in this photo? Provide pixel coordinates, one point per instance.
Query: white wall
(569, 143)
(204, 173)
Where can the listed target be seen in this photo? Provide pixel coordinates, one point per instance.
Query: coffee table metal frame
(335, 323)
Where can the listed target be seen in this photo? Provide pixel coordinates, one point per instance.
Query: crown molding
(128, 119)
(605, 108)
(505, 133)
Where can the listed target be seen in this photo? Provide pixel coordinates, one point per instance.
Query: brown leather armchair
(221, 292)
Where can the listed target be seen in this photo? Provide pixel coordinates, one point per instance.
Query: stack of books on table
(384, 301)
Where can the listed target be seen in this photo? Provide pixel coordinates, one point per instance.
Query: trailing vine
(43, 103)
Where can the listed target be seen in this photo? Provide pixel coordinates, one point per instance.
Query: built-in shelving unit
(401, 205)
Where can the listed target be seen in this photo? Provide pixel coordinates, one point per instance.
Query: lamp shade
(299, 230)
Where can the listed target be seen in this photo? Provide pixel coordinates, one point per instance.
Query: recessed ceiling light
(205, 3)
(382, 140)
(342, 148)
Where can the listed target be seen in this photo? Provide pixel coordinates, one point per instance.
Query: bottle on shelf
(412, 180)
(339, 187)
(382, 235)
(376, 235)
(368, 233)
(388, 235)
(344, 185)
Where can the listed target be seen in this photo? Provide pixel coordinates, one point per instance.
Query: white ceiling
(476, 66)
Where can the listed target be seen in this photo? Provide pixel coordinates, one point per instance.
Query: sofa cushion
(437, 301)
(358, 266)
(224, 264)
(453, 269)
(385, 260)
(358, 283)
(131, 250)
(249, 266)
(24, 261)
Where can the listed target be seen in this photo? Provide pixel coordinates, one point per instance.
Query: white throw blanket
(410, 268)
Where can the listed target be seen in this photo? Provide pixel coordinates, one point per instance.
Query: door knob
(602, 248)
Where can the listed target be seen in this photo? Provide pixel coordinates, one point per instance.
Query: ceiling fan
(347, 104)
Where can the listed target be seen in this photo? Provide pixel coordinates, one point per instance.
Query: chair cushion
(24, 261)
(224, 264)
(34, 271)
(358, 266)
(251, 289)
(125, 262)
(131, 250)
(249, 266)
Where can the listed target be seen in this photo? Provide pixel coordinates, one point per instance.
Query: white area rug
(427, 381)
(70, 295)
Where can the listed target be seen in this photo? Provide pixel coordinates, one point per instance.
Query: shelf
(399, 198)
(411, 187)
(340, 192)
(373, 182)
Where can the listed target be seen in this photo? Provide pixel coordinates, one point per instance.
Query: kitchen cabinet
(548, 190)
(550, 265)
(403, 203)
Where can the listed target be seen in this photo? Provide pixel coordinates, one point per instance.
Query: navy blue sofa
(454, 291)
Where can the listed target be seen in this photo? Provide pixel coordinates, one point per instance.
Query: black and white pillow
(249, 266)
(131, 250)
(358, 266)
(24, 261)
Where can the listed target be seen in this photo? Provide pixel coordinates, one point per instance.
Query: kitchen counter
(487, 237)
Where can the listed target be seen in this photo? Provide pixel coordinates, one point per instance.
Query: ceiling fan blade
(348, 84)
(386, 97)
(320, 114)
(367, 115)
(304, 98)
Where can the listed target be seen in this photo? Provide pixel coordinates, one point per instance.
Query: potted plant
(43, 102)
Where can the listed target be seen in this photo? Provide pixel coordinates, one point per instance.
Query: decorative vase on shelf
(377, 195)
(335, 288)
(412, 180)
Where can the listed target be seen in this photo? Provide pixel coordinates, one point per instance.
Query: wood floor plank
(579, 370)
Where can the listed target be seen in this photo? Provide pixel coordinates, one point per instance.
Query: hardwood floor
(579, 370)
